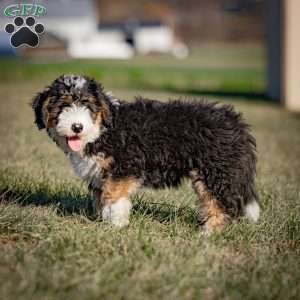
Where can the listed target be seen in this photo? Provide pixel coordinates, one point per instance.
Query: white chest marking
(87, 169)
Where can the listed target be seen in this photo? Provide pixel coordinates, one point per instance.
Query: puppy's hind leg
(211, 212)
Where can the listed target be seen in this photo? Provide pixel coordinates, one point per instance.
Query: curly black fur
(163, 142)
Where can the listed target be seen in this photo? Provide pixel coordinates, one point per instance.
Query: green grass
(51, 249)
(230, 70)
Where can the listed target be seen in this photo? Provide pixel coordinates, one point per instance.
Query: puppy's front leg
(96, 201)
(115, 200)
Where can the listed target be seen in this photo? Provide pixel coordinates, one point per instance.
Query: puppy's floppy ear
(39, 109)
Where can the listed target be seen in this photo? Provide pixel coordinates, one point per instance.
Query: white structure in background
(98, 46)
(76, 22)
(158, 38)
(146, 37)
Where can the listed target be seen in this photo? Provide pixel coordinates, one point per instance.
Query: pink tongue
(74, 143)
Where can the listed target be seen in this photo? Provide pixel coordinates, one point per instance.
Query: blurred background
(237, 48)
(216, 47)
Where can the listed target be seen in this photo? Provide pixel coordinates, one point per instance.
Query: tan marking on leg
(122, 188)
(210, 209)
(217, 220)
(115, 200)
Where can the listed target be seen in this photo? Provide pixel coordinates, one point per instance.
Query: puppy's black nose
(77, 127)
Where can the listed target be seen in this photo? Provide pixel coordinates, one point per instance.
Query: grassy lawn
(51, 249)
(209, 69)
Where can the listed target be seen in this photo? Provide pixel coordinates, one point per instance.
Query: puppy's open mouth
(75, 143)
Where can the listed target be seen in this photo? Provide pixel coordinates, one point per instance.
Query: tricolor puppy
(118, 147)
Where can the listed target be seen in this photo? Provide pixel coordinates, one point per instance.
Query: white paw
(252, 211)
(205, 231)
(117, 213)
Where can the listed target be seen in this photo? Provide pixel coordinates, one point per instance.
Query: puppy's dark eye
(88, 105)
(76, 97)
(65, 105)
(84, 102)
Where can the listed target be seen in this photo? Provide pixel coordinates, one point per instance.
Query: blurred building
(146, 37)
(143, 26)
(76, 23)
(120, 29)
(72, 29)
(195, 21)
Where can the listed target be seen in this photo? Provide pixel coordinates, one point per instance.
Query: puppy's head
(74, 110)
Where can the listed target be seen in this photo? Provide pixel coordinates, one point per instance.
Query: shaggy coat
(154, 144)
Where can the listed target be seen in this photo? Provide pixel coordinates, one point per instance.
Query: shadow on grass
(69, 199)
(66, 201)
(165, 213)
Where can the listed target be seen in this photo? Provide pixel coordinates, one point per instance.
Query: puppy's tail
(252, 211)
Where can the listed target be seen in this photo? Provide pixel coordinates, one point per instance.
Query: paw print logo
(24, 33)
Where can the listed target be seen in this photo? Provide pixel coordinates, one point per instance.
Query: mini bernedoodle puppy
(118, 147)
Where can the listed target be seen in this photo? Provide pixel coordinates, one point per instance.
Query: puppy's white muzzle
(76, 121)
